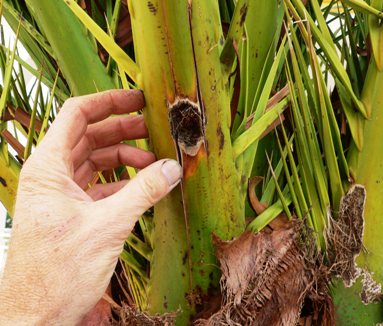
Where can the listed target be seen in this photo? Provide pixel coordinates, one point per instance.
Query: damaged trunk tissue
(187, 125)
(345, 243)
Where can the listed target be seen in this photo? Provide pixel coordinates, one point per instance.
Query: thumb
(147, 188)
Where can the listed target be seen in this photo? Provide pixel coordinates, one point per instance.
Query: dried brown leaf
(265, 277)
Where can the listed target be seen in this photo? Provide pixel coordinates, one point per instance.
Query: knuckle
(69, 103)
(73, 106)
(109, 95)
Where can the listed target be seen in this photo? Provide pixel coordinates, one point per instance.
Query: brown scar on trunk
(191, 163)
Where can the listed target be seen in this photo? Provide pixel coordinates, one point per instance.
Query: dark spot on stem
(3, 182)
(221, 137)
(165, 302)
(243, 13)
(184, 258)
(153, 9)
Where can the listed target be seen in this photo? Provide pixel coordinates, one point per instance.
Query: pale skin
(66, 238)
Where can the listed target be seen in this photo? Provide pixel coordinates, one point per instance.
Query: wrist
(11, 312)
(20, 306)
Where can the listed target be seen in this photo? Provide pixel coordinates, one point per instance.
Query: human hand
(65, 240)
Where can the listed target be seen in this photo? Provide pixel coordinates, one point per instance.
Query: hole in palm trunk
(186, 124)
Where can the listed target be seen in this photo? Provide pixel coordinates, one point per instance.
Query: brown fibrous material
(345, 235)
(131, 316)
(345, 243)
(266, 277)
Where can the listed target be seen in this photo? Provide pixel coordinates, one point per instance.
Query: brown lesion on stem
(152, 8)
(243, 13)
(3, 182)
(221, 138)
(190, 163)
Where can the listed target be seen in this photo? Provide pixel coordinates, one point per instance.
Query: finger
(77, 112)
(100, 191)
(84, 174)
(116, 155)
(109, 158)
(143, 191)
(108, 132)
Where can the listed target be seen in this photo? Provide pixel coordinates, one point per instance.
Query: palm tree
(275, 119)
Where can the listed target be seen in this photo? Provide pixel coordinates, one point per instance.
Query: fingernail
(172, 171)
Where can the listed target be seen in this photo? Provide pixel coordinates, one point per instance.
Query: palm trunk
(188, 115)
